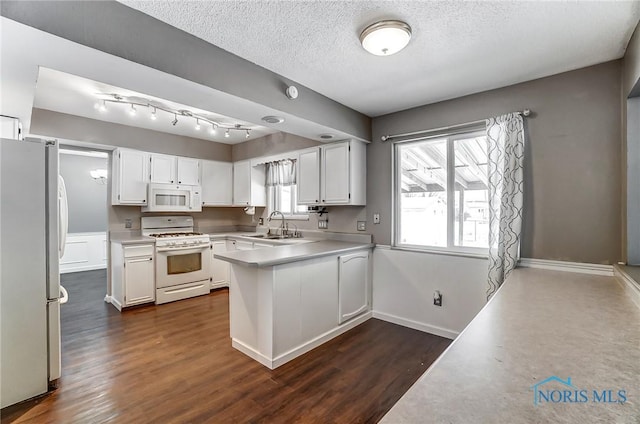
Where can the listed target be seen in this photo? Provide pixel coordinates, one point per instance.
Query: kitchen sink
(271, 237)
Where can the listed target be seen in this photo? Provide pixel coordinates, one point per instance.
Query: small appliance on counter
(182, 257)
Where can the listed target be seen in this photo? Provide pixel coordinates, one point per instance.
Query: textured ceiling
(458, 48)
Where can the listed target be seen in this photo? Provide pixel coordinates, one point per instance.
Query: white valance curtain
(281, 172)
(505, 137)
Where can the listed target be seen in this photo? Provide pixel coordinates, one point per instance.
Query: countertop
(290, 253)
(540, 324)
(130, 238)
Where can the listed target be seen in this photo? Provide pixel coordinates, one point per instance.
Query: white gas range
(182, 257)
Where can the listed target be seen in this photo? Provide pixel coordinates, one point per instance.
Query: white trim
(82, 268)
(431, 329)
(93, 154)
(114, 302)
(579, 267)
(444, 251)
(630, 286)
(302, 349)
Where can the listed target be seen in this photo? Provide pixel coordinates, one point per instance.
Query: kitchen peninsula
(287, 300)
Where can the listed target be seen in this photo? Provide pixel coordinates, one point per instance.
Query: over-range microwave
(173, 198)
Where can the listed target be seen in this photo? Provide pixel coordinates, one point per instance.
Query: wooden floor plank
(174, 364)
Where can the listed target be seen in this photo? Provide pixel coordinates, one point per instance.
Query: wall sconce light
(99, 176)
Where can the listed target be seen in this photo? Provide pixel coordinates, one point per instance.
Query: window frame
(273, 199)
(451, 248)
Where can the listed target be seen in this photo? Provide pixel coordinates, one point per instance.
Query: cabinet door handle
(144, 201)
(179, 182)
(150, 259)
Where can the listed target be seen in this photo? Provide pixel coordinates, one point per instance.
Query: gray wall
(572, 167)
(270, 145)
(116, 29)
(87, 200)
(631, 74)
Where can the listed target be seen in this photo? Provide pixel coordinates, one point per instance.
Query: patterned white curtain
(282, 172)
(505, 136)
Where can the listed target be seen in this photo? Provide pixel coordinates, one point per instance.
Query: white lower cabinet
(280, 312)
(353, 282)
(132, 275)
(219, 269)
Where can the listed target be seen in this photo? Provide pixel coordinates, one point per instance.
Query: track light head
(197, 124)
(226, 134)
(132, 111)
(153, 114)
(247, 135)
(175, 120)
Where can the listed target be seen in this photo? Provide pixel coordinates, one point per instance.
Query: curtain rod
(525, 112)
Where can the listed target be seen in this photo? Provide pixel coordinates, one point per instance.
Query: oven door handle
(182, 250)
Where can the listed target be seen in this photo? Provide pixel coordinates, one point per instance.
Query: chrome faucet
(282, 229)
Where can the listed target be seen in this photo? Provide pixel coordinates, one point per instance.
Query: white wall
(404, 282)
(84, 252)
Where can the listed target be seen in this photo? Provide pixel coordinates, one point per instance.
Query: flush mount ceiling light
(385, 38)
(273, 119)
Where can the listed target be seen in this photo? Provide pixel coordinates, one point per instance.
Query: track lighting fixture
(101, 105)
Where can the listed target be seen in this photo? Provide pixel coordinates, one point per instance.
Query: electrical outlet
(261, 221)
(437, 298)
(362, 226)
(128, 223)
(323, 225)
(376, 218)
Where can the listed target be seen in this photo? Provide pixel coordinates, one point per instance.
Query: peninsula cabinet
(132, 275)
(353, 272)
(249, 184)
(333, 174)
(281, 311)
(216, 180)
(130, 175)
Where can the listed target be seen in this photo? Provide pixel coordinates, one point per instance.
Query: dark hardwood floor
(174, 364)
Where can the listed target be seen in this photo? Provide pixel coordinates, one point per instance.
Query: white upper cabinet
(130, 174)
(163, 168)
(174, 169)
(249, 184)
(217, 183)
(333, 174)
(188, 171)
(308, 177)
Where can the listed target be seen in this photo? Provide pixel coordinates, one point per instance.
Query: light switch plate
(362, 226)
(376, 218)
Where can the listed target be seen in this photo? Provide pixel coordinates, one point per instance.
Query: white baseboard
(630, 286)
(420, 326)
(300, 350)
(583, 268)
(114, 302)
(83, 268)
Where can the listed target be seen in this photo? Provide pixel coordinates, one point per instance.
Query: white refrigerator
(32, 234)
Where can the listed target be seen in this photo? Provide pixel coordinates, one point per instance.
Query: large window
(441, 193)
